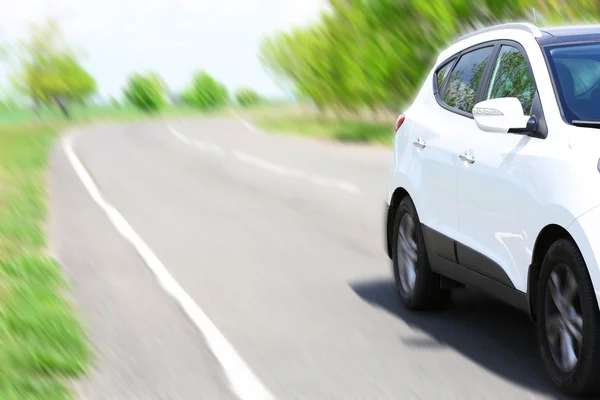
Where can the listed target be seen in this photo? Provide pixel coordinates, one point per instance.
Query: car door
(437, 142)
(493, 181)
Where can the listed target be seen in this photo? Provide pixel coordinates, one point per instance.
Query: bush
(145, 92)
(205, 93)
(247, 97)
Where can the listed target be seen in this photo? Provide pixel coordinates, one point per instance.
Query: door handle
(420, 143)
(466, 157)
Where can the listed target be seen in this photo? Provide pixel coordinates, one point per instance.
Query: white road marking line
(293, 173)
(347, 187)
(269, 166)
(199, 144)
(317, 180)
(216, 149)
(179, 136)
(251, 127)
(260, 163)
(241, 379)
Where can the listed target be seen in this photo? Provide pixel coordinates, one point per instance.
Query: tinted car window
(586, 74)
(576, 71)
(441, 75)
(462, 85)
(511, 78)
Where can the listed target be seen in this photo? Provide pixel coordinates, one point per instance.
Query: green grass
(340, 130)
(42, 344)
(81, 115)
(304, 120)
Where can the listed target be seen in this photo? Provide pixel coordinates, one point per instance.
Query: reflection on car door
(437, 143)
(435, 163)
(493, 182)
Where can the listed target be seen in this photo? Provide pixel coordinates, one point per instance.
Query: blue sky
(171, 37)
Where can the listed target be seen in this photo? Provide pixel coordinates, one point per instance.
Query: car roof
(569, 34)
(546, 36)
(514, 31)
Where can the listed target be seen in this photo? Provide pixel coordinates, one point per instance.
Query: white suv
(496, 184)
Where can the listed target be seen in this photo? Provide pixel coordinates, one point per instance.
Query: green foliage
(325, 128)
(114, 103)
(375, 53)
(42, 345)
(247, 97)
(146, 92)
(205, 92)
(49, 71)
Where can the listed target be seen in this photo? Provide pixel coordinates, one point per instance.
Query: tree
(114, 102)
(49, 71)
(146, 92)
(205, 92)
(375, 53)
(247, 97)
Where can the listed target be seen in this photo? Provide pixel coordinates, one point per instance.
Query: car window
(576, 71)
(464, 79)
(586, 74)
(441, 75)
(511, 78)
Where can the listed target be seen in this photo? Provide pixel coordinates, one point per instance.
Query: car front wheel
(568, 320)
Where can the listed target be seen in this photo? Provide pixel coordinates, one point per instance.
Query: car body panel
(586, 233)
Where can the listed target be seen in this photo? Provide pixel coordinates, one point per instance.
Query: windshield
(576, 71)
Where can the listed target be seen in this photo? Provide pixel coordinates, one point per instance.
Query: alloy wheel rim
(407, 253)
(563, 316)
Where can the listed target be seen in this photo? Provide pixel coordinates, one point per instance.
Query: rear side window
(465, 78)
(441, 76)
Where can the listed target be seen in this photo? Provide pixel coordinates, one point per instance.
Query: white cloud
(171, 37)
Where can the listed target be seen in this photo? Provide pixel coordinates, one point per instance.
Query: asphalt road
(279, 241)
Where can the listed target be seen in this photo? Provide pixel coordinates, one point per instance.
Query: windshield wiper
(586, 124)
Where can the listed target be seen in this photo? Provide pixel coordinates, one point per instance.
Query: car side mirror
(504, 115)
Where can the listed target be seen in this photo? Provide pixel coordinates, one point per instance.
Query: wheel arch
(399, 194)
(547, 236)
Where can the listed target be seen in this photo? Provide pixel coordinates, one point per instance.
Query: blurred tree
(8, 99)
(146, 92)
(49, 71)
(247, 97)
(205, 92)
(375, 53)
(114, 103)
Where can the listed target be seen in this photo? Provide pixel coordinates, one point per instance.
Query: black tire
(426, 293)
(583, 379)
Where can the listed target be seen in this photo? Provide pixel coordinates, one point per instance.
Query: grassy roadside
(293, 119)
(42, 344)
(82, 115)
(343, 131)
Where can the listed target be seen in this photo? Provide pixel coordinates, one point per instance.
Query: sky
(174, 38)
